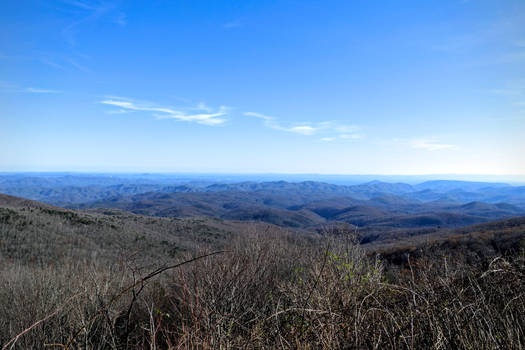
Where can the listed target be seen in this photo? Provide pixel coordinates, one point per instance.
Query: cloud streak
(90, 11)
(200, 114)
(273, 123)
(42, 91)
(309, 129)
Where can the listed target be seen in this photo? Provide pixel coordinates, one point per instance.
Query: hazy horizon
(291, 177)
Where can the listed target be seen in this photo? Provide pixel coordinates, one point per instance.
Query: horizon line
(132, 172)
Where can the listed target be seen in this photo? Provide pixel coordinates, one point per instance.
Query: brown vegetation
(266, 289)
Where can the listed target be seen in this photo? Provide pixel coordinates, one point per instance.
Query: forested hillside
(111, 279)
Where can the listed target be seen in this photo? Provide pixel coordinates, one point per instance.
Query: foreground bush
(266, 291)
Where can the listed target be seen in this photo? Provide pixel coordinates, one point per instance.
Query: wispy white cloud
(77, 65)
(306, 128)
(272, 122)
(423, 143)
(200, 114)
(89, 11)
(54, 60)
(42, 91)
(259, 115)
(328, 139)
(86, 5)
(350, 136)
(9, 87)
(74, 61)
(303, 129)
(118, 111)
(52, 63)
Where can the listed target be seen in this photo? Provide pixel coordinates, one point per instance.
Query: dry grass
(267, 291)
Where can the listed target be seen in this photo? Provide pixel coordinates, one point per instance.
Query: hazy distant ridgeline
(64, 189)
(374, 206)
(310, 204)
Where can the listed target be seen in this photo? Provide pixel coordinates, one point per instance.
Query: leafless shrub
(269, 290)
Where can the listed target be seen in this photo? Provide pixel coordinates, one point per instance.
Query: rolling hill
(306, 205)
(38, 232)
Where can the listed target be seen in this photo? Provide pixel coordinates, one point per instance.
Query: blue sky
(341, 87)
